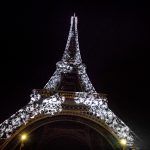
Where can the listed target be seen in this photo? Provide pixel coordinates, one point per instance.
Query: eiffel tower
(69, 97)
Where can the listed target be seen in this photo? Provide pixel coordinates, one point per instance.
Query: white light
(100, 108)
(49, 106)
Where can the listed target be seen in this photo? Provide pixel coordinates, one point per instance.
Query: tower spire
(71, 63)
(72, 52)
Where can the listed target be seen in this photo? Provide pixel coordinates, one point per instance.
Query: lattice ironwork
(51, 101)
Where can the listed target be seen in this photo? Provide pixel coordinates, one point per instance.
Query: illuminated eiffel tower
(68, 95)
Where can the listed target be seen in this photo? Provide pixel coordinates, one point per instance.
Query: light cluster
(35, 107)
(71, 61)
(72, 52)
(98, 106)
(53, 104)
(65, 67)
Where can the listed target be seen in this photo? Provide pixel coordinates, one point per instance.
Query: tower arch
(76, 122)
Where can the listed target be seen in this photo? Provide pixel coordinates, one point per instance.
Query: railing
(67, 94)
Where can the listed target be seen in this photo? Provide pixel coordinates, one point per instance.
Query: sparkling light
(98, 106)
(36, 106)
(71, 62)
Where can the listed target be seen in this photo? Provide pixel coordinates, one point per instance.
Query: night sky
(114, 42)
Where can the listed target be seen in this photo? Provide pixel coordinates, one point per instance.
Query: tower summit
(72, 52)
(70, 71)
(68, 95)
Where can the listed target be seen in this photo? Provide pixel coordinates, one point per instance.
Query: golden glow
(123, 142)
(24, 137)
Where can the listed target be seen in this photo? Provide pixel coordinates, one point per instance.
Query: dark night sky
(114, 42)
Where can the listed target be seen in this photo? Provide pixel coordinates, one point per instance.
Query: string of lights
(71, 62)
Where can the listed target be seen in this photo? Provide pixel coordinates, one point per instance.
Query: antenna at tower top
(74, 15)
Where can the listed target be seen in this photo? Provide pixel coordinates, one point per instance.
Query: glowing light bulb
(123, 142)
(24, 137)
